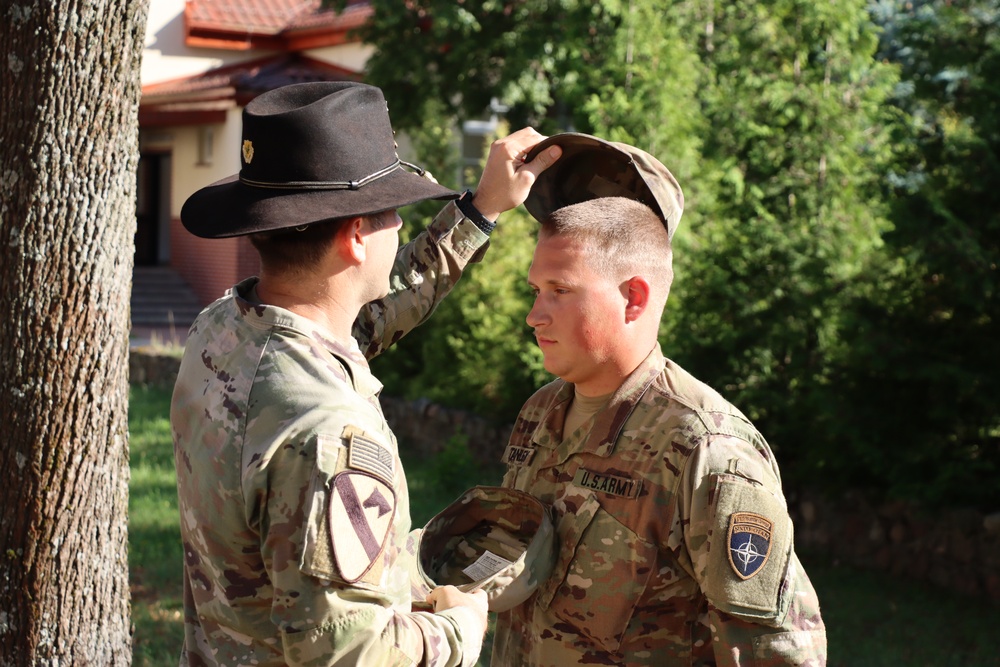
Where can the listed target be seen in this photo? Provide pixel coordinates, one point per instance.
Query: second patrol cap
(500, 540)
(590, 167)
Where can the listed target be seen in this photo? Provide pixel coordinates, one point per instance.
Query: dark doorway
(148, 206)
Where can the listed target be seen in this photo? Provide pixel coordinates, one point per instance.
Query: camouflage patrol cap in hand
(590, 168)
(500, 540)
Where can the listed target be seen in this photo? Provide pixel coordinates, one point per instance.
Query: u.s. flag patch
(749, 543)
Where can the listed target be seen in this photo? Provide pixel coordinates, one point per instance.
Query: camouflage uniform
(675, 541)
(293, 502)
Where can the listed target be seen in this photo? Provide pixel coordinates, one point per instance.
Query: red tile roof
(204, 98)
(246, 24)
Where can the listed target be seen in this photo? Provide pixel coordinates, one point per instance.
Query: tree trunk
(68, 156)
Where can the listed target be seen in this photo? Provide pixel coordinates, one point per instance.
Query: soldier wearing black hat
(294, 506)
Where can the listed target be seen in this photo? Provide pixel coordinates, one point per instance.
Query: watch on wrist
(472, 213)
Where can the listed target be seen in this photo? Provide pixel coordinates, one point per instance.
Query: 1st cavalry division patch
(749, 543)
(360, 517)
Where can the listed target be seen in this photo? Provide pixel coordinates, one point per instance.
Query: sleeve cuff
(472, 213)
(471, 641)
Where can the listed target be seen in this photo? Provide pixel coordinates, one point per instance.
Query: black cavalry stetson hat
(311, 152)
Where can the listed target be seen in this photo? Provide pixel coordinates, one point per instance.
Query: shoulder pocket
(351, 508)
(749, 555)
(317, 556)
(601, 573)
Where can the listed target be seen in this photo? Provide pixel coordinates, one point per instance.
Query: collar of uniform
(608, 425)
(263, 316)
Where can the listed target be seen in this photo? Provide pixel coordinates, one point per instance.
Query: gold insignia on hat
(247, 151)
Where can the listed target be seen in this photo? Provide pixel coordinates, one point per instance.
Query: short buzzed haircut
(300, 249)
(624, 237)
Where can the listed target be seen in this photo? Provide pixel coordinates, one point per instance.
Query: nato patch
(360, 518)
(749, 543)
(518, 456)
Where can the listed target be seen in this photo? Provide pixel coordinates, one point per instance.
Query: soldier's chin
(550, 365)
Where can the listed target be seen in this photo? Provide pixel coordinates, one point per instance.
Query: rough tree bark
(68, 153)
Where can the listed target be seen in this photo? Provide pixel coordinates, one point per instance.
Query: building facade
(203, 61)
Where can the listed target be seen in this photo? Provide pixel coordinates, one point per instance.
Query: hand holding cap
(508, 177)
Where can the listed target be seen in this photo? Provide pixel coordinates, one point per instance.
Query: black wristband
(472, 213)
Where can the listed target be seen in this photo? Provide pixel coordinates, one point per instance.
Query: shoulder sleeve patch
(751, 543)
(351, 508)
(361, 511)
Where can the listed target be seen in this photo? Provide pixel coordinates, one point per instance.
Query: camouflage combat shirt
(675, 542)
(293, 502)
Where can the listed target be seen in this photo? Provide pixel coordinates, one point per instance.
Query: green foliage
(927, 339)
(836, 264)
(433, 147)
(793, 165)
(618, 68)
(468, 54)
(476, 352)
(436, 482)
(454, 466)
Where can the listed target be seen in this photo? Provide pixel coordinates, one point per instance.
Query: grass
(154, 532)
(872, 619)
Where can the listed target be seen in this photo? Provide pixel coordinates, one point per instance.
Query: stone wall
(954, 549)
(426, 427)
(957, 549)
(153, 365)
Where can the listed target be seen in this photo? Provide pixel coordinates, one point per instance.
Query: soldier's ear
(351, 240)
(636, 291)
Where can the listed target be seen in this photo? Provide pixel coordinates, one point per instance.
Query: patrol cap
(590, 167)
(500, 540)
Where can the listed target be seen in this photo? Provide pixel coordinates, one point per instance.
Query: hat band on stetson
(323, 185)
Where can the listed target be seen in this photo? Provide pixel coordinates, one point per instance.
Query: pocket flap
(751, 543)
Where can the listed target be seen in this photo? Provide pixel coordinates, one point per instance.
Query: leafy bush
(837, 261)
(476, 352)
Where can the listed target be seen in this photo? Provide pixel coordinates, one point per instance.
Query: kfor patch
(360, 517)
(749, 543)
(741, 579)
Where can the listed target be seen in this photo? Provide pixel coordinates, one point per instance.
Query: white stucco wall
(349, 56)
(167, 57)
(188, 173)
